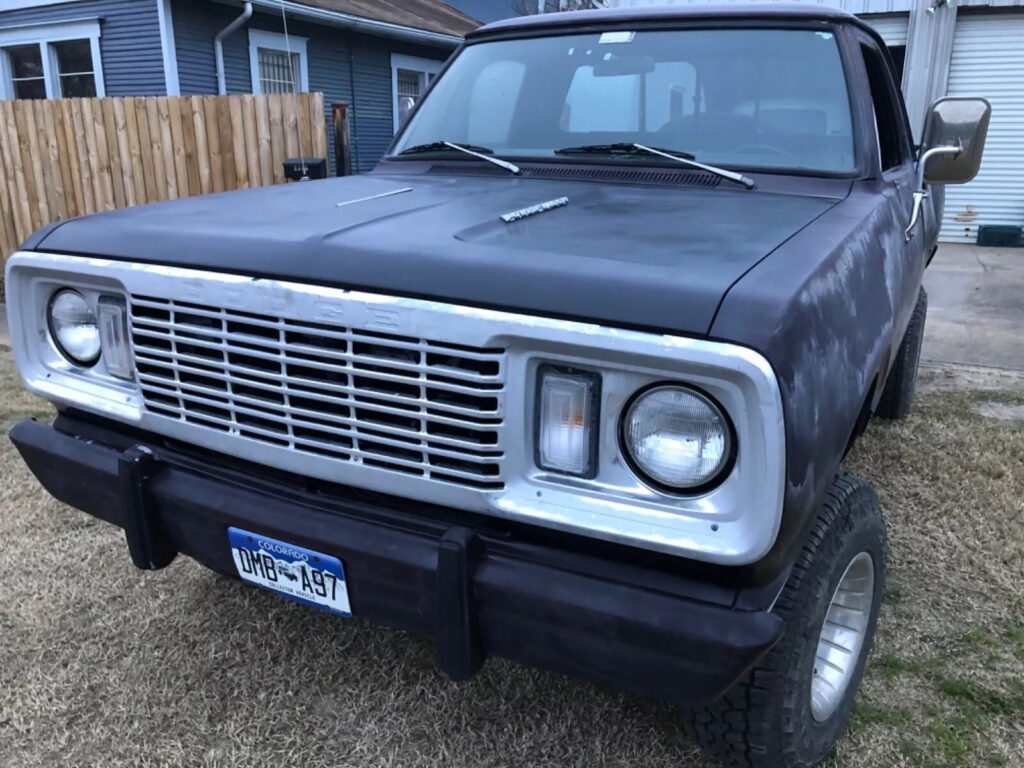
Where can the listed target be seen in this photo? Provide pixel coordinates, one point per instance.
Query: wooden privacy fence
(69, 157)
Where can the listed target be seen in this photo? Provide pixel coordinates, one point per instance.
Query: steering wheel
(762, 148)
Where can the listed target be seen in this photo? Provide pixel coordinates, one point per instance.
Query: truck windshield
(768, 98)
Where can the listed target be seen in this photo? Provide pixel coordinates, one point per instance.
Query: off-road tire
(765, 721)
(898, 395)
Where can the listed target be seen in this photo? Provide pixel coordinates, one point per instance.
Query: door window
(890, 122)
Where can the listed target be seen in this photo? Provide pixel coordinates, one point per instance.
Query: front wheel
(792, 707)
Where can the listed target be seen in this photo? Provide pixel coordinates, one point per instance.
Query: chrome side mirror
(952, 145)
(954, 122)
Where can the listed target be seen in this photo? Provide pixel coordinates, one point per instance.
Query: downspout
(218, 46)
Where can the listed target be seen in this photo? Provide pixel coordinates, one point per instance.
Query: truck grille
(409, 405)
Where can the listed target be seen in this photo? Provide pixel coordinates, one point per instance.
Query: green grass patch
(914, 754)
(866, 714)
(1003, 397)
(892, 594)
(977, 638)
(967, 693)
(1015, 634)
(948, 742)
(892, 666)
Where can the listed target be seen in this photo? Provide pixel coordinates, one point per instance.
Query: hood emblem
(533, 210)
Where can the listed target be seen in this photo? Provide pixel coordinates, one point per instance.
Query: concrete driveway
(975, 307)
(975, 312)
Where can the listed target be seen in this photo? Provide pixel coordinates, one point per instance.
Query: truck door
(898, 177)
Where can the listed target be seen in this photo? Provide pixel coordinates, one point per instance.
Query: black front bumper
(476, 587)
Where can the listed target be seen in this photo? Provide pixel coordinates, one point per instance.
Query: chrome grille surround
(409, 405)
(732, 524)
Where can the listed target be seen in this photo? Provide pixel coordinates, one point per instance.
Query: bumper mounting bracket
(459, 649)
(149, 548)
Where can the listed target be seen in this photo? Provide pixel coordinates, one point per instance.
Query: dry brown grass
(101, 664)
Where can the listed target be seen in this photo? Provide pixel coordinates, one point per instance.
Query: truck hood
(638, 256)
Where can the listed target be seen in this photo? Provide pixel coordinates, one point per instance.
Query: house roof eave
(361, 24)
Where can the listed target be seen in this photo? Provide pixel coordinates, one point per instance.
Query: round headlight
(74, 327)
(676, 437)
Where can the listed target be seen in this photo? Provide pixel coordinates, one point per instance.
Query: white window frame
(260, 38)
(17, 5)
(414, 63)
(43, 35)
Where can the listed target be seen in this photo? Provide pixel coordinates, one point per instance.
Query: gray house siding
(344, 66)
(374, 112)
(486, 10)
(196, 23)
(130, 50)
(330, 72)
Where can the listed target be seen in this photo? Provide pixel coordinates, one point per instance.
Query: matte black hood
(640, 256)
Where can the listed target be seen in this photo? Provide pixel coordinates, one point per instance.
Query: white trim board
(362, 24)
(49, 31)
(167, 49)
(17, 5)
(261, 38)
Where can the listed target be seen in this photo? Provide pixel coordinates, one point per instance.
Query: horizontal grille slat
(320, 330)
(261, 351)
(296, 416)
(250, 376)
(414, 406)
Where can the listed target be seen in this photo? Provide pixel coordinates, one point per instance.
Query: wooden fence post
(342, 145)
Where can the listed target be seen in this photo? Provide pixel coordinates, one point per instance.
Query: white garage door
(893, 29)
(988, 60)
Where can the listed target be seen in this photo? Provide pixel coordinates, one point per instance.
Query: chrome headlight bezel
(646, 475)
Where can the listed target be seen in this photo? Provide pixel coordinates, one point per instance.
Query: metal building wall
(988, 60)
(893, 29)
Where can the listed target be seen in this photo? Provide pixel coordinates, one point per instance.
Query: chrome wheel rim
(842, 636)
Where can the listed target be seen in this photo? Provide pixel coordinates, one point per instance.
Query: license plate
(300, 574)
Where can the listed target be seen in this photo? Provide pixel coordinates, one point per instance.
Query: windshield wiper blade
(484, 153)
(444, 146)
(632, 148)
(620, 148)
(739, 178)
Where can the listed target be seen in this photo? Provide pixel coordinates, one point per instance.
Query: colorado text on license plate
(301, 574)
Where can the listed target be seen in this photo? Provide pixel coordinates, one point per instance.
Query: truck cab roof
(668, 13)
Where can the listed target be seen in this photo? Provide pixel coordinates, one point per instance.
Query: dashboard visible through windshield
(755, 98)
